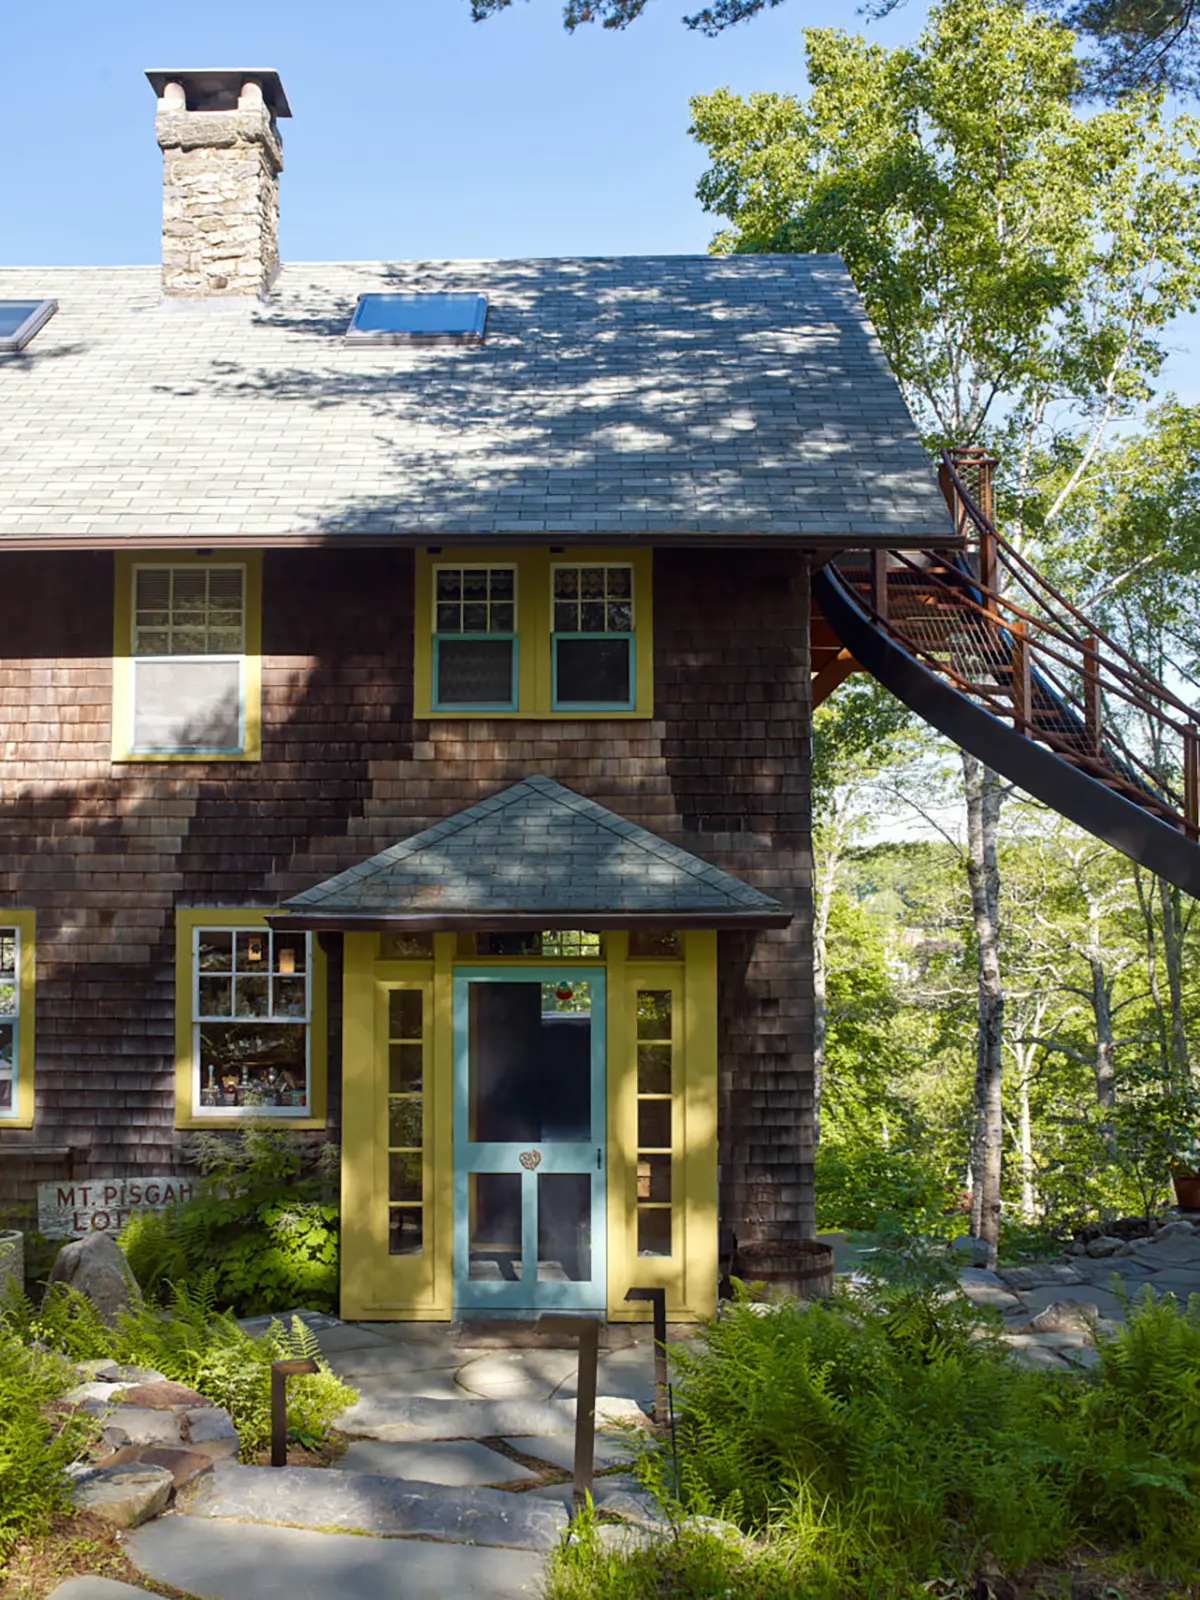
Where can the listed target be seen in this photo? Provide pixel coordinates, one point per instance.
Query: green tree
(1136, 44)
(860, 730)
(1139, 44)
(1020, 261)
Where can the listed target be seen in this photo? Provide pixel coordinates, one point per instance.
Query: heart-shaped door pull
(530, 1159)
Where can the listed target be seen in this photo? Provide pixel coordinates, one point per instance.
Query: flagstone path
(459, 1473)
(1104, 1278)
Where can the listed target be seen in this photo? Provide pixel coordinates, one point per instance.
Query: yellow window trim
(122, 709)
(25, 924)
(188, 1115)
(534, 675)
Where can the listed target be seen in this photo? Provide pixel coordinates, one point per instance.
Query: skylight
(418, 319)
(21, 319)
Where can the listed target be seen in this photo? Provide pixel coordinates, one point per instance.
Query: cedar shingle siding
(104, 854)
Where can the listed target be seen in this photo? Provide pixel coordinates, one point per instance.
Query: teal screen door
(529, 1146)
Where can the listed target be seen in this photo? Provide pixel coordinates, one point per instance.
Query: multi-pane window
(406, 1091)
(188, 651)
(10, 1021)
(572, 942)
(592, 638)
(252, 998)
(655, 1071)
(475, 638)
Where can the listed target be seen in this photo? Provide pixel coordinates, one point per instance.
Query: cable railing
(986, 620)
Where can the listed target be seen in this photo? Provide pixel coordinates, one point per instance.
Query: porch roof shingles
(535, 849)
(674, 396)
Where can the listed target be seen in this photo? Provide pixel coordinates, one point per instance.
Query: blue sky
(416, 133)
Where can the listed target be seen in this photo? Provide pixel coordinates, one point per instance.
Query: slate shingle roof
(536, 848)
(690, 396)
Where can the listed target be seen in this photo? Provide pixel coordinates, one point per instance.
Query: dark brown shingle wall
(104, 854)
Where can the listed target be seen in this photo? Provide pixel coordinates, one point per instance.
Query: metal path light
(281, 1371)
(658, 1299)
(587, 1331)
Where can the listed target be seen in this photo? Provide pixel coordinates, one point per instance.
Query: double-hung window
(593, 641)
(10, 1016)
(187, 684)
(250, 1017)
(534, 632)
(475, 638)
(250, 1021)
(16, 1018)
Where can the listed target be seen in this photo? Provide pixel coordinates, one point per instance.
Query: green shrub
(885, 1444)
(192, 1342)
(860, 1185)
(35, 1446)
(262, 1224)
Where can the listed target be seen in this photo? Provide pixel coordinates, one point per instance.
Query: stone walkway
(459, 1472)
(459, 1468)
(1047, 1306)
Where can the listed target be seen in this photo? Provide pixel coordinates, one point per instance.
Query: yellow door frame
(419, 1287)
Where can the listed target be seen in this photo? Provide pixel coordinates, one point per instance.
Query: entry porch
(530, 1074)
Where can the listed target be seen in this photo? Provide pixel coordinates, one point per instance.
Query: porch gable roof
(536, 854)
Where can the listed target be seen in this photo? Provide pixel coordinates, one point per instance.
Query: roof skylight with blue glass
(21, 319)
(418, 319)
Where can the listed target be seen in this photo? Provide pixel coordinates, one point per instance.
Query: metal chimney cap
(218, 88)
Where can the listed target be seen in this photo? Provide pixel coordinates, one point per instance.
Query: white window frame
(199, 1020)
(12, 1111)
(136, 656)
(24, 331)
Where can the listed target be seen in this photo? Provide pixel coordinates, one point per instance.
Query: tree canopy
(1134, 44)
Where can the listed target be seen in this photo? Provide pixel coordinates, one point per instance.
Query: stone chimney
(222, 158)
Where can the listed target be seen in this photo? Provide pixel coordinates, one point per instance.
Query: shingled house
(406, 697)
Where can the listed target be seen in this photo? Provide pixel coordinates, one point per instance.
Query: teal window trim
(530, 1293)
(627, 704)
(438, 704)
(190, 749)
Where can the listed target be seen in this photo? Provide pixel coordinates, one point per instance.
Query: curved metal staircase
(980, 645)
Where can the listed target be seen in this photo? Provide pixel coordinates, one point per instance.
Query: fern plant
(194, 1343)
(264, 1223)
(36, 1445)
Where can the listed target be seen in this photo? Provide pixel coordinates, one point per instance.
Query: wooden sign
(101, 1205)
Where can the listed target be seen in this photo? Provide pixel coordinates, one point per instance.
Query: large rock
(126, 1496)
(140, 1425)
(96, 1267)
(12, 1264)
(210, 1428)
(1104, 1246)
(970, 1250)
(162, 1396)
(1066, 1316)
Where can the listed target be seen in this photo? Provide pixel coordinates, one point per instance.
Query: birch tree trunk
(829, 842)
(1025, 1139)
(985, 796)
(1173, 962)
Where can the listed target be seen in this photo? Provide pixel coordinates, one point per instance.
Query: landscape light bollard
(281, 1371)
(658, 1298)
(587, 1331)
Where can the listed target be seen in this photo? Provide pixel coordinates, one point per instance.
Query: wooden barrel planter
(802, 1267)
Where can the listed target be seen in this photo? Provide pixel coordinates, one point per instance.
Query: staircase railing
(991, 624)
